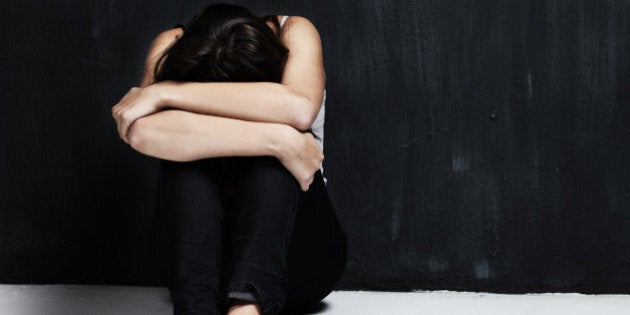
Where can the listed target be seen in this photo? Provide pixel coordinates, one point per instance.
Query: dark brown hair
(225, 43)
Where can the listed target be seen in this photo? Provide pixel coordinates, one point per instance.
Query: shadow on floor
(315, 309)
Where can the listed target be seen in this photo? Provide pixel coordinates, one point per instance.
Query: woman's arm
(295, 101)
(183, 136)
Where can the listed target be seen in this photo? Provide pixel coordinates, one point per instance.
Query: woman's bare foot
(244, 308)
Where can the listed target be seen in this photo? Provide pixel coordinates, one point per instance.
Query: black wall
(470, 145)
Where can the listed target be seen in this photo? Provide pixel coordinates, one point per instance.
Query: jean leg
(260, 225)
(190, 204)
(317, 251)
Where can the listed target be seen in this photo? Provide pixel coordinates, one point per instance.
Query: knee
(262, 163)
(205, 165)
(266, 172)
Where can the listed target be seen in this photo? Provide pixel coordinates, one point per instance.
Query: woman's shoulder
(164, 40)
(293, 21)
(298, 29)
(169, 36)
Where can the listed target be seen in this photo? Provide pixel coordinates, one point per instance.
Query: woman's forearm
(183, 136)
(295, 101)
(252, 101)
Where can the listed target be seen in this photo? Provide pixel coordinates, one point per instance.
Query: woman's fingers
(119, 112)
(313, 159)
(123, 119)
(310, 182)
(302, 156)
(133, 105)
(127, 118)
(305, 185)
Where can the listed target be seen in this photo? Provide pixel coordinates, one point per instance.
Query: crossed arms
(185, 121)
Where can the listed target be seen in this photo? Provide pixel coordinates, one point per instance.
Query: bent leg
(192, 217)
(317, 251)
(260, 225)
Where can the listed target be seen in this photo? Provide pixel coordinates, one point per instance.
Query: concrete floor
(128, 300)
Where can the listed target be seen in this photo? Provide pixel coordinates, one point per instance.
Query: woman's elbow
(137, 135)
(145, 137)
(305, 113)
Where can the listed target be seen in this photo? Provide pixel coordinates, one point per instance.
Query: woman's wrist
(165, 93)
(281, 140)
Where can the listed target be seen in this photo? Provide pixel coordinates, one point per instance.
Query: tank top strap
(284, 19)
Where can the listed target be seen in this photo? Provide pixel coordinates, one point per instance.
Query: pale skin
(189, 121)
(205, 120)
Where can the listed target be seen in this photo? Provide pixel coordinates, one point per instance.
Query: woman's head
(225, 43)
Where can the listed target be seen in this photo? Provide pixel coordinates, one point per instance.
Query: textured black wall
(470, 145)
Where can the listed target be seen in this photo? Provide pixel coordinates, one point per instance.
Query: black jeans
(240, 228)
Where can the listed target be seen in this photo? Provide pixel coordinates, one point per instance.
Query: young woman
(232, 104)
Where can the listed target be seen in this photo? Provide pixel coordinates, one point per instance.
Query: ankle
(241, 307)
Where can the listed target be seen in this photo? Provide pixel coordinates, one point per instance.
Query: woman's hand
(302, 156)
(137, 103)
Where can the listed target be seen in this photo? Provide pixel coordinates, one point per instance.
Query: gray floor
(97, 300)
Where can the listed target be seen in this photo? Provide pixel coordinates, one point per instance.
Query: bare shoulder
(298, 23)
(162, 42)
(298, 29)
(166, 38)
